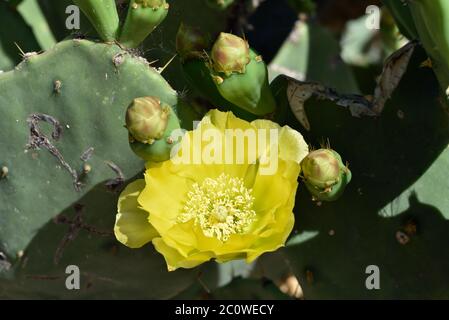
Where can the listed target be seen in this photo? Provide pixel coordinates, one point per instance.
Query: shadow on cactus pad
(395, 212)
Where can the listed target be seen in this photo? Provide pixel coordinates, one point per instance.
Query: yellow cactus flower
(227, 193)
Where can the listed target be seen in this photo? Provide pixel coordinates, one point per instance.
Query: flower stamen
(221, 207)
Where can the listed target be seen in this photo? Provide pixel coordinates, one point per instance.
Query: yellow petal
(163, 196)
(175, 260)
(292, 146)
(132, 227)
(270, 191)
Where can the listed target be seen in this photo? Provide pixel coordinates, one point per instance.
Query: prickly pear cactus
(69, 156)
(88, 124)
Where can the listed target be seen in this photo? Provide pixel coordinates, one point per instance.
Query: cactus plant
(78, 115)
(85, 118)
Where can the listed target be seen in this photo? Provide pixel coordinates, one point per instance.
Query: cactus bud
(161, 148)
(146, 119)
(230, 54)
(325, 175)
(241, 75)
(191, 42)
(143, 17)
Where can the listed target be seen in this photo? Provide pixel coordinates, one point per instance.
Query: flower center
(221, 207)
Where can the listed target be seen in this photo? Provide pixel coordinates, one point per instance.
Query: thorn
(160, 70)
(27, 54)
(201, 282)
(20, 49)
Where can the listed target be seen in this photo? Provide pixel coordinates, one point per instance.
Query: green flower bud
(325, 175)
(191, 42)
(160, 149)
(230, 54)
(146, 119)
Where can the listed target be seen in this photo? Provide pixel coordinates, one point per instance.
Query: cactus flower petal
(132, 227)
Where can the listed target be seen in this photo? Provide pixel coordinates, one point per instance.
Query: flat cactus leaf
(108, 270)
(393, 214)
(66, 109)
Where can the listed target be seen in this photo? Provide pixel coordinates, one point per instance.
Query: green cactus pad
(399, 164)
(400, 10)
(143, 17)
(103, 16)
(66, 101)
(431, 19)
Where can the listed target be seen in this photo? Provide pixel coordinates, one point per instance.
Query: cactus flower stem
(103, 15)
(143, 17)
